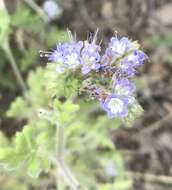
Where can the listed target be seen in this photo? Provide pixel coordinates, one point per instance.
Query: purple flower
(115, 106)
(129, 63)
(136, 58)
(90, 57)
(105, 60)
(67, 54)
(52, 9)
(126, 67)
(118, 47)
(123, 87)
(111, 170)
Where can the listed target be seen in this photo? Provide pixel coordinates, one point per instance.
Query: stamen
(95, 36)
(44, 53)
(70, 35)
(116, 33)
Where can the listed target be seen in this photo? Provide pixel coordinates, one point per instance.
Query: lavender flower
(110, 170)
(67, 54)
(136, 58)
(123, 87)
(115, 106)
(126, 67)
(90, 57)
(118, 47)
(52, 9)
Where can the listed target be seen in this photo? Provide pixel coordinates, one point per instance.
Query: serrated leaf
(45, 163)
(26, 20)
(9, 159)
(24, 140)
(70, 107)
(42, 137)
(18, 108)
(33, 168)
(36, 82)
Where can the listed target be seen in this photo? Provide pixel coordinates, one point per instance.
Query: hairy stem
(63, 169)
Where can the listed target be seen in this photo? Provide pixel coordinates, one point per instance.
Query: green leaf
(122, 184)
(28, 60)
(18, 108)
(105, 187)
(134, 112)
(34, 168)
(25, 19)
(45, 163)
(70, 107)
(36, 82)
(24, 140)
(9, 159)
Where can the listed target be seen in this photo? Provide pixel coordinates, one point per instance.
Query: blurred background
(39, 25)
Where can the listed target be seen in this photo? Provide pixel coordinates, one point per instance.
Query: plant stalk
(62, 168)
(15, 69)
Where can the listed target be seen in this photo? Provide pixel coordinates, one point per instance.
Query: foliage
(37, 140)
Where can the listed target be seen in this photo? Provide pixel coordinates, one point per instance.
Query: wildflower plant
(89, 73)
(81, 93)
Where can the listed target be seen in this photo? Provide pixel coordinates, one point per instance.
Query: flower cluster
(74, 54)
(117, 65)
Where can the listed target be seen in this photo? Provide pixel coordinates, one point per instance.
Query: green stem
(15, 69)
(62, 168)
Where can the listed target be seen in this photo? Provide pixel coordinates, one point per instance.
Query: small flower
(118, 47)
(105, 60)
(110, 170)
(115, 106)
(52, 9)
(130, 62)
(90, 57)
(123, 87)
(137, 58)
(72, 60)
(67, 54)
